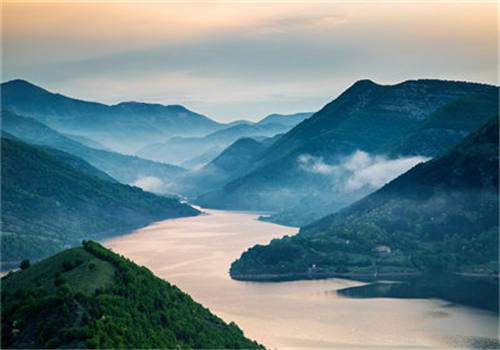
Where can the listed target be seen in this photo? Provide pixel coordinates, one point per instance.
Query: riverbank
(321, 275)
(195, 254)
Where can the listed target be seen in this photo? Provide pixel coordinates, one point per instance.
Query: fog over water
(195, 254)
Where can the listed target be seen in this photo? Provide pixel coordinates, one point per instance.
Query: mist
(360, 170)
(150, 184)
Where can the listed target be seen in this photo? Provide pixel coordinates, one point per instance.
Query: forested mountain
(124, 127)
(124, 168)
(229, 164)
(441, 215)
(48, 205)
(447, 126)
(178, 149)
(71, 160)
(440, 131)
(90, 297)
(285, 119)
(302, 166)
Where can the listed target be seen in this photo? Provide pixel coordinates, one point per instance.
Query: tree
(24, 264)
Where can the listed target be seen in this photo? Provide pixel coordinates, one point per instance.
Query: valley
(194, 254)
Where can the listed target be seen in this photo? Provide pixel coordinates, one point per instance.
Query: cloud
(375, 172)
(315, 165)
(150, 184)
(359, 170)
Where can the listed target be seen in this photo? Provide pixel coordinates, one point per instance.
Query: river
(195, 254)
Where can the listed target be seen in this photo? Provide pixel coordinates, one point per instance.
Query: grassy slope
(103, 300)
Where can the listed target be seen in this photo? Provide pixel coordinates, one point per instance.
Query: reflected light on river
(195, 254)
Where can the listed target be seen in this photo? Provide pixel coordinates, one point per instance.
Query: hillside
(441, 215)
(302, 164)
(285, 119)
(440, 131)
(447, 126)
(48, 205)
(178, 149)
(124, 127)
(124, 168)
(229, 164)
(90, 297)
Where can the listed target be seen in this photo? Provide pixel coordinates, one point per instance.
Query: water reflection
(195, 254)
(477, 292)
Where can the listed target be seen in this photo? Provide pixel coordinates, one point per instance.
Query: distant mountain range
(439, 216)
(179, 149)
(367, 124)
(124, 168)
(131, 126)
(226, 166)
(124, 127)
(90, 297)
(52, 200)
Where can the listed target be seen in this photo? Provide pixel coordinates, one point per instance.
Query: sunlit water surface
(195, 254)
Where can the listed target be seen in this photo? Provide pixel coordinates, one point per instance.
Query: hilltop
(90, 297)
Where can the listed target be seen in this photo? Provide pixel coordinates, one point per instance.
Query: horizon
(235, 120)
(239, 60)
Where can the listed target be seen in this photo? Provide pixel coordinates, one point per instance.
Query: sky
(236, 60)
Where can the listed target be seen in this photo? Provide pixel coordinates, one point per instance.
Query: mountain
(440, 131)
(285, 119)
(72, 161)
(441, 215)
(177, 149)
(124, 127)
(48, 205)
(124, 168)
(87, 142)
(303, 162)
(90, 297)
(447, 126)
(226, 166)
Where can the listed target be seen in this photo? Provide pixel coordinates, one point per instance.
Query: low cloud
(360, 170)
(150, 184)
(315, 165)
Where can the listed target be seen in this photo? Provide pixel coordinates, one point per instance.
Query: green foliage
(439, 216)
(365, 117)
(24, 264)
(134, 310)
(48, 206)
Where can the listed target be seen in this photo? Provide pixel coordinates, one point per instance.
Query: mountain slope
(441, 215)
(226, 166)
(126, 169)
(440, 131)
(124, 127)
(285, 119)
(178, 149)
(71, 160)
(363, 118)
(90, 297)
(447, 126)
(48, 205)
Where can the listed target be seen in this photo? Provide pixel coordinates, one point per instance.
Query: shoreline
(285, 277)
(362, 277)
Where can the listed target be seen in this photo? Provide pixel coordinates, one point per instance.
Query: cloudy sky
(239, 59)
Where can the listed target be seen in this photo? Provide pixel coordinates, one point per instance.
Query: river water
(195, 254)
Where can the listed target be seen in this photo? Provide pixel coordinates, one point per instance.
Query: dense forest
(51, 202)
(90, 297)
(441, 215)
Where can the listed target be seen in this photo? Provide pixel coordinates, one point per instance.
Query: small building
(383, 249)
